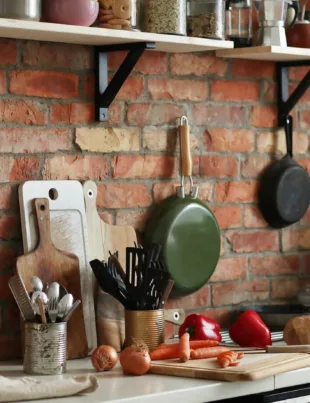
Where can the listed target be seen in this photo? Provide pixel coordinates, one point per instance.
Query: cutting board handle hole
(42, 207)
(53, 194)
(90, 194)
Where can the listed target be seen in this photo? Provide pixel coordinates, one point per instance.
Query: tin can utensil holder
(45, 348)
(145, 325)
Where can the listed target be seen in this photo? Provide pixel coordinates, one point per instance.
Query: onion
(104, 358)
(135, 360)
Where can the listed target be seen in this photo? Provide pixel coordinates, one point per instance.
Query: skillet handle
(288, 127)
(185, 150)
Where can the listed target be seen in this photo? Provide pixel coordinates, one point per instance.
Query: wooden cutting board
(51, 264)
(68, 233)
(251, 368)
(105, 238)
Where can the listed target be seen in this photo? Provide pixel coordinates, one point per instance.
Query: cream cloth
(27, 388)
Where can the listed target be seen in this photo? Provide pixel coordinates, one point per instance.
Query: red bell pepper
(250, 331)
(200, 327)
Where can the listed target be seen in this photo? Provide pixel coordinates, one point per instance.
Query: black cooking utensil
(284, 193)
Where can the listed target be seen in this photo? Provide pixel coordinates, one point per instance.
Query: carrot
(184, 349)
(229, 359)
(193, 344)
(165, 353)
(208, 352)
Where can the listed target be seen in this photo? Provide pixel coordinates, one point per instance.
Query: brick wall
(47, 131)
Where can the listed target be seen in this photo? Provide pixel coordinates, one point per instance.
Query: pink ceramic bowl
(71, 12)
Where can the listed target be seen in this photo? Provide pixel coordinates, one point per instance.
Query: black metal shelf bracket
(106, 92)
(285, 102)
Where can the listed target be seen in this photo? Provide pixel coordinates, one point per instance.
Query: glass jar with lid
(206, 18)
(239, 22)
(120, 14)
(165, 16)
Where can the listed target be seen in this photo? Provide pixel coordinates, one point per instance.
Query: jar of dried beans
(206, 18)
(165, 16)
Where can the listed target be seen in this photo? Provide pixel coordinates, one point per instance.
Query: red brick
(264, 116)
(240, 91)
(153, 114)
(235, 191)
(228, 216)
(218, 166)
(275, 143)
(230, 269)
(253, 218)
(217, 115)
(18, 169)
(199, 299)
(304, 119)
(285, 288)
(10, 347)
(235, 293)
(5, 197)
(305, 99)
(269, 91)
(252, 68)
(63, 167)
(222, 316)
(45, 84)
(222, 252)
(306, 218)
(132, 89)
(188, 90)
(252, 167)
(143, 166)
(234, 140)
(274, 265)
(164, 139)
(305, 163)
(8, 51)
(23, 111)
(259, 241)
(149, 63)
(305, 259)
(59, 55)
(135, 218)
(7, 258)
(30, 140)
(77, 112)
(164, 190)
(296, 239)
(2, 82)
(298, 73)
(123, 195)
(197, 64)
(9, 228)
(89, 86)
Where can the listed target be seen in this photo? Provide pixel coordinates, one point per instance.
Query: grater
(22, 299)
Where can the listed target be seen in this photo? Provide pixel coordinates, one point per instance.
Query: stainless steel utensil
(53, 291)
(52, 309)
(34, 301)
(22, 299)
(21, 9)
(36, 283)
(68, 315)
(64, 305)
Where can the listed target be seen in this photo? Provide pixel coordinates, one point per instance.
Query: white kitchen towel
(12, 390)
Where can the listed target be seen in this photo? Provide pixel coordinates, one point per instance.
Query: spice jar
(206, 18)
(165, 16)
(119, 14)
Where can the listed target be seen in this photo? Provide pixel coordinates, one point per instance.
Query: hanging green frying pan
(186, 229)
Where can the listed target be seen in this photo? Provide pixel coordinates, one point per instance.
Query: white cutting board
(68, 232)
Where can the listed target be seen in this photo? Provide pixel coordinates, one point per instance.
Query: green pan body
(189, 234)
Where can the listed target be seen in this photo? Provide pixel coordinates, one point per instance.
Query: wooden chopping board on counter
(51, 264)
(105, 238)
(68, 233)
(251, 367)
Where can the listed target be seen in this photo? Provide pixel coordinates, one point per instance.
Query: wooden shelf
(42, 31)
(272, 53)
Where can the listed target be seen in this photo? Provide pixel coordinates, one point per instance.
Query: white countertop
(117, 388)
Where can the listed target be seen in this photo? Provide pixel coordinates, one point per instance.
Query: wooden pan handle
(43, 218)
(185, 150)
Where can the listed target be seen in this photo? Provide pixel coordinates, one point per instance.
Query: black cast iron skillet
(284, 193)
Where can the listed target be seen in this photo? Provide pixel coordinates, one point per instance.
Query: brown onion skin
(135, 362)
(104, 358)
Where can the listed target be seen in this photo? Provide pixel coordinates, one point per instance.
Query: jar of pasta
(119, 14)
